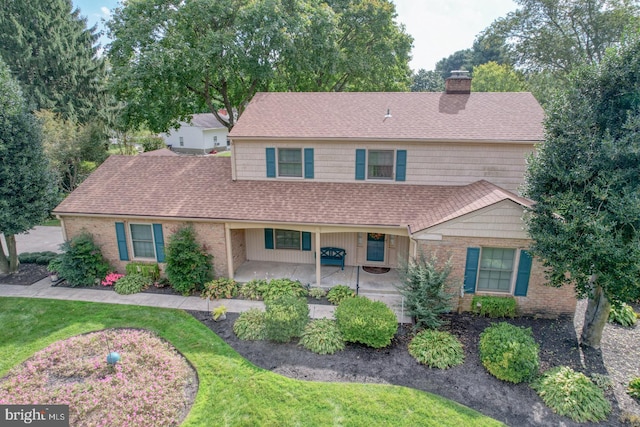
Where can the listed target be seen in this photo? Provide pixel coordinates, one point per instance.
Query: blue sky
(439, 27)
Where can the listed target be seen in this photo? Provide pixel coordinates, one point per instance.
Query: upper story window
(142, 241)
(290, 162)
(380, 164)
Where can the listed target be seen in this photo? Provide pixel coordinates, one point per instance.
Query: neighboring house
(202, 135)
(381, 175)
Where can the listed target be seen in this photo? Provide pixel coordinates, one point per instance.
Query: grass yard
(231, 391)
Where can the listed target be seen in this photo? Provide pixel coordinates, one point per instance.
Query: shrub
(338, 293)
(250, 325)
(317, 293)
(252, 289)
(220, 288)
(152, 142)
(111, 279)
(146, 269)
(436, 349)
(424, 287)
(282, 287)
(368, 322)
(634, 388)
(572, 394)
(322, 336)
(509, 352)
(81, 262)
(40, 258)
(54, 265)
(188, 264)
(623, 315)
(131, 284)
(494, 306)
(285, 318)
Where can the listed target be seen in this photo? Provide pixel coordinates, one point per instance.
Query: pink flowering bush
(111, 279)
(152, 385)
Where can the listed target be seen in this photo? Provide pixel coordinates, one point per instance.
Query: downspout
(227, 238)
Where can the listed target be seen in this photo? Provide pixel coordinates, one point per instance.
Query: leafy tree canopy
(52, 54)
(586, 182)
(172, 58)
(427, 81)
(491, 77)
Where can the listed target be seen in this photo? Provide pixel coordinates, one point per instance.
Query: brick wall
(541, 300)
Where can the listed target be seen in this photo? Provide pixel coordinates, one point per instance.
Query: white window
(290, 162)
(495, 273)
(215, 141)
(142, 241)
(287, 239)
(380, 164)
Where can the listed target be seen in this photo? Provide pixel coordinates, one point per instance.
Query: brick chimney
(459, 82)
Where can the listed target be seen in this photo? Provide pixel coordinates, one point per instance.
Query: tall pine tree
(53, 55)
(27, 188)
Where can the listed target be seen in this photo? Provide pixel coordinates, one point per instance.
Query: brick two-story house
(380, 175)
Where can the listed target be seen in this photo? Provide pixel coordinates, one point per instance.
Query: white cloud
(106, 13)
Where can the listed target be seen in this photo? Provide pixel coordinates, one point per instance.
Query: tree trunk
(595, 318)
(9, 263)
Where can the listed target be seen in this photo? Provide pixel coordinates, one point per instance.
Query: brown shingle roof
(201, 188)
(479, 116)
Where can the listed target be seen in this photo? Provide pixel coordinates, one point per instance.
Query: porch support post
(318, 266)
(413, 247)
(227, 238)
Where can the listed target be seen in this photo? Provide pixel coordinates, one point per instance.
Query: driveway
(38, 239)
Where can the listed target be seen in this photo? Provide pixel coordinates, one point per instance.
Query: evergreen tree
(53, 55)
(27, 187)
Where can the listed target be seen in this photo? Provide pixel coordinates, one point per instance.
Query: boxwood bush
(285, 318)
(40, 258)
(322, 336)
(367, 322)
(509, 352)
(436, 349)
(572, 395)
(250, 325)
(494, 306)
(131, 284)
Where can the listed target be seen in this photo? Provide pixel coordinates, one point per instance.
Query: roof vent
(458, 83)
(388, 115)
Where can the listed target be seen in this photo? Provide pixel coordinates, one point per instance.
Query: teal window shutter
(401, 165)
(524, 272)
(361, 158)
(268, 238)
(271, 162)
(306, 241)
(158, 238)
(471, 270)
(308, 163)
(122, 241)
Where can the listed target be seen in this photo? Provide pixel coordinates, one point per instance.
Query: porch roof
(201, 188)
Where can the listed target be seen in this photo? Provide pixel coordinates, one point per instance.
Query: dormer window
(290, 162)
(380, 165)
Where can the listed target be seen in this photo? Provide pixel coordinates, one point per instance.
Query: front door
(375, 247)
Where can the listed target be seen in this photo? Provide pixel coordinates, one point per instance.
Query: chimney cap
(460, 74)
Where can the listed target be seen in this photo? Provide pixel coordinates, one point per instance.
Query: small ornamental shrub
(424, 285)
(111, 279)
(322, 336)
(509, 352)
(220, 288)
(317, 293)
(436, 349)
(250, 325)
(252, 289)
(282, 287)
(81, 262)
(494, 306)
(572, 395)
(131, 284)
(634, 388)
(367, 322)
(40, 258)
(188, 264)
(147, 269)
(285, 318)
(623, 315)
(338, 293)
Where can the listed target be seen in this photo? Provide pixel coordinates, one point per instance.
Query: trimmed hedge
(367, 322)
(509, 352)
(494, 306)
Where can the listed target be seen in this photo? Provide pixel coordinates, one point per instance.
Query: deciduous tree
(586, 182)
(491, 77)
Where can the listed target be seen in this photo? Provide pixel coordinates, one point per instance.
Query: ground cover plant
(220, 288)
(572, 394)
(322, 336)
(131, 284)
(277, 288)
(74, 372)
(436, 349)
(230, 388)
(339, 292)
(623, 315)
(509, 353)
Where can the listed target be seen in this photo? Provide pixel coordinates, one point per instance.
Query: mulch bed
(26, 275)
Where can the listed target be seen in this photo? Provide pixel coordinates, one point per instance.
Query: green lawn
(51, 222)
(232, 391)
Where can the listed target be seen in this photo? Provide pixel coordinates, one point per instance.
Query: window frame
(278, 162)
(368, 165)
(291, 247)
(132, 241)
(512, 275)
